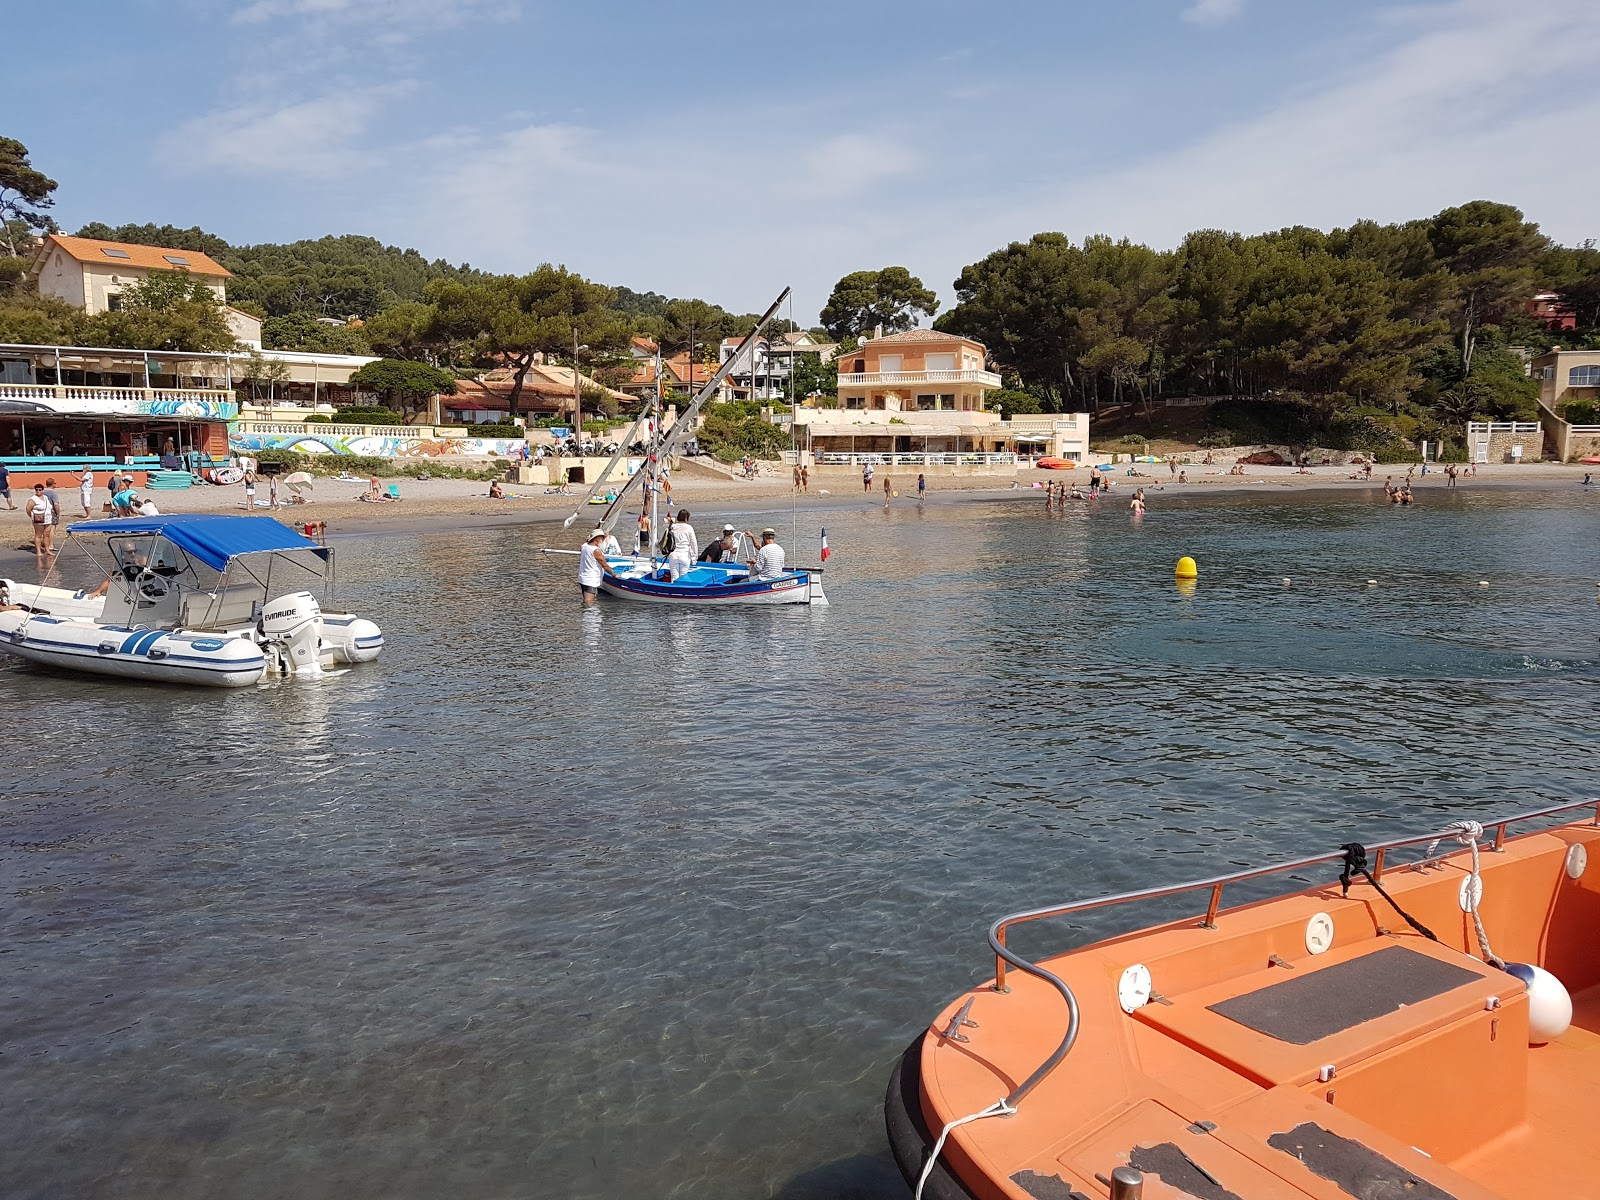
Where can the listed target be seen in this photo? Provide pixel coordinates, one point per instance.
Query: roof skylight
(176, 260)
(111, 252)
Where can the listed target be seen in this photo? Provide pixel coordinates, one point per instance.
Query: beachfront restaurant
(941, 444)
(63, 407)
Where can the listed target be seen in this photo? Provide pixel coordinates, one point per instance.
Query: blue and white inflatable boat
(218, 601)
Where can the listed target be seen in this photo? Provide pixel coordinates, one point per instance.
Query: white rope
(1468, 833)
(998, 1109)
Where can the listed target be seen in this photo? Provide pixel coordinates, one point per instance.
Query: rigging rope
(1355, 863)
(998, 1109)
(1468, 833)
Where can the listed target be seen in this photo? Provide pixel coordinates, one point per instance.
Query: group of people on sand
(802, 477)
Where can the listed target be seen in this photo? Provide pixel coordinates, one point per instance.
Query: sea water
(553, 902)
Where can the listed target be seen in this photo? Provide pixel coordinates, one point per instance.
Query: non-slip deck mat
(1317, 1005)
(1358, 1170)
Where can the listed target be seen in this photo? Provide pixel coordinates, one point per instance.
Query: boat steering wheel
(150, 585)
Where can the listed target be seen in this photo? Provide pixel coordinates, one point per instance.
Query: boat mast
(668, 442)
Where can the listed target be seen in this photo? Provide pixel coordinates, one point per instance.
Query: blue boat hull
(712, 583)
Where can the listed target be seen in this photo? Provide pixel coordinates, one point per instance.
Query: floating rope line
(1355, 863)
(998, 1109)
(1468, 833)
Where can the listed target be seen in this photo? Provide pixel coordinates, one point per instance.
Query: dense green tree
(892, 297)
(302, 331)
(1489, 251)
(813, 377)
(166, 310)
(409, 329)
(695, 324)
(25, 194)
(35, 321)
(406, 386)
(512, 319)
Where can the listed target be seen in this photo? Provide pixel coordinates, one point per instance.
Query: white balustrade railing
(75, 391)
(950, 459)
(885, 378)
(1484, 428)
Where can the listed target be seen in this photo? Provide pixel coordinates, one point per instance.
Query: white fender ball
(1549, 1005)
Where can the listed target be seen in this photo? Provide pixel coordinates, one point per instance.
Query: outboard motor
(292, 626)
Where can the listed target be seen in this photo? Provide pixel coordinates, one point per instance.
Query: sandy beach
(465, 504)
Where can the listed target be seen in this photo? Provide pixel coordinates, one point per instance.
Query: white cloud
(1448, 109)
(318, 138)
(377, 14)
(1212, 12)
(853, 162)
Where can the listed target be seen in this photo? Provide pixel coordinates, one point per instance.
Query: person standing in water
(886, 490)
(592, 567)
(922, 488)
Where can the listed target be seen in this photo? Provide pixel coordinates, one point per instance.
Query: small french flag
(825, 550)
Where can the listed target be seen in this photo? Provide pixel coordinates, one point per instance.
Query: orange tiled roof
(679, 368)
(921, 335)
(153, 258)
(645, 344)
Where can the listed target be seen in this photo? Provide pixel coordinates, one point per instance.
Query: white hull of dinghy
(162, 656)
(58, 602)
(350, 639)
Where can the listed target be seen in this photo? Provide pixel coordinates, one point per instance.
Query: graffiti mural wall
(395, 445)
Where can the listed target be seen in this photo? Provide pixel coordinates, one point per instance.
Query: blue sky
(722, 150)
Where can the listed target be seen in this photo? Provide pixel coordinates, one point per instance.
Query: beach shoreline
(456, 504)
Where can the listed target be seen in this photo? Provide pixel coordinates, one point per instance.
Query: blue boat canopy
(210, 537)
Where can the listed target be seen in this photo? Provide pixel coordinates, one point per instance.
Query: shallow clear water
(637, 902)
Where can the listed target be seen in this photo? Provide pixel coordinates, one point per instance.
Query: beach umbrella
(1147, 458)
(298, 481)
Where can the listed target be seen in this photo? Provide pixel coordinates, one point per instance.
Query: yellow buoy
(1185, 568)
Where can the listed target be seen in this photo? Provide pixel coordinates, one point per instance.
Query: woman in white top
(592, 566)
(43, 515)
(685, 546)
(86, 489)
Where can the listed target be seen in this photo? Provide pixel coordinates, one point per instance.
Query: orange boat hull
(1263, 1070)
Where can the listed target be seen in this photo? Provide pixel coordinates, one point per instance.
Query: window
(113, 301)
(1549, 373)
(947, 400)
(890, 362)
(855, 401)
(176, 260)
(1584, 377)
(111, 252)
(927, 403)
(939, 362)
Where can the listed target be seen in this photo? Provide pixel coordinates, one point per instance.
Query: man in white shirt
(592, 566)
(769, 559)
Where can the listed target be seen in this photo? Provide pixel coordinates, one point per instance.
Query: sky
(726, 150)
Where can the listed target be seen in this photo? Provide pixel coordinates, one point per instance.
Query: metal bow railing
(1005, 956)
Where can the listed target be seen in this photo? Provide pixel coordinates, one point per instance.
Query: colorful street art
(375, 445)
(211, 410)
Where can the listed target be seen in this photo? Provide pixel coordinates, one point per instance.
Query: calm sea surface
(632, 902)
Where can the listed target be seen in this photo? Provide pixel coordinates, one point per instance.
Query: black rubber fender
(909, 1137)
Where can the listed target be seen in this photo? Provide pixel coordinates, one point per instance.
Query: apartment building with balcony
(921, 398)
(919, 370)
(762, 369)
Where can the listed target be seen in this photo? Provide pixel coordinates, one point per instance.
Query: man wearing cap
(592, 567)
(768, 563)
(720, 548)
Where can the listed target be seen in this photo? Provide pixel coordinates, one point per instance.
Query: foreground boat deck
(1386, 1065)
